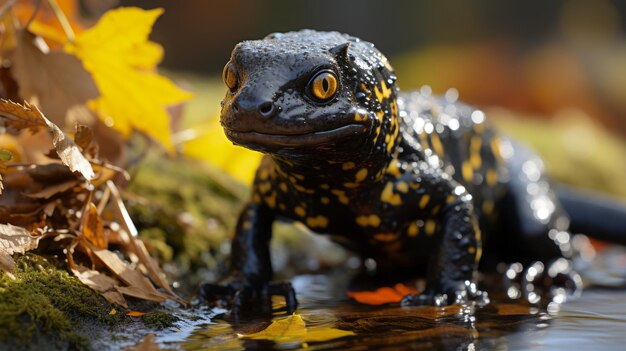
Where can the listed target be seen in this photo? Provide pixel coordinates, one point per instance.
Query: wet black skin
(420, 184)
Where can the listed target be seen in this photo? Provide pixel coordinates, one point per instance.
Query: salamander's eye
(323, 85)
(230, 76)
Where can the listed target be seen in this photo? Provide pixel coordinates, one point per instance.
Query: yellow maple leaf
(116, 51)
(293, 329)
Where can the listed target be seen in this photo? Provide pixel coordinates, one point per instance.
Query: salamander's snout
(264, 109)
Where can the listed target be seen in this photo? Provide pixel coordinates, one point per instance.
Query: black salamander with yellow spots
(420, 184)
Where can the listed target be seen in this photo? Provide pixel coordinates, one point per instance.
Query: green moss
(47, 306)
(191, 208)
(159, 320)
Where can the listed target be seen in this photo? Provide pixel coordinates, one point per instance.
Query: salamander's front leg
(250, 266)
(451, 269)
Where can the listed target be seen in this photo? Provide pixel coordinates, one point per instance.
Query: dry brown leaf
(68, 151)
(142, 294)
(14, 239)
(120, 269)
(21, 116)
(138, 246)
(53, 80)
(92, 228)
(146, 345)
(29, 116)
(83, 137)
(52, 190)
(101, 283)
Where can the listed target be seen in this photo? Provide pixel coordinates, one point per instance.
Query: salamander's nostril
(267, 109)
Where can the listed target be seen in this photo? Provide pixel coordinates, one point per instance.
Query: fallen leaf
(92, 228)
(52, 190)
(21, 116)
(68, 151)
(53, 80)
(293, 329)
(382, 295)
(122, 61)
(14, 239)
(147, 344)
(135, 314)
(28, 116)
(113, 312)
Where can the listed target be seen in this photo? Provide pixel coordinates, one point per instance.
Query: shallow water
(594, 321)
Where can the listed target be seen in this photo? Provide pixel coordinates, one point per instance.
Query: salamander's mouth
(295, 140)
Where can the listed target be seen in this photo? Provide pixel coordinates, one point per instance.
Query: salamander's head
(311, 94)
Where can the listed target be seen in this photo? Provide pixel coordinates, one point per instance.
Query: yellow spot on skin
(495, 148)
(350, 185)
(488, 207)
(361, 175)
(283, 187)
(393, 168)
(386, 91)
(402, 187)
(381, 115)
(271, 200)
(348, 166)
(292, 179)
(475, 160)
(299, 211)
(256, 199)
(471, 250)
(325, 186)
(437, 146)
(360, 117)
(389, 196)
(430, 227)
(246, 225)
(424, 201)
(491, 177)
(450, 199)
(341, 196)
(371, 220)
(413, 230)
(299, 176)
(467, 171)
(317, 222)
(282, 206)
(414, 185)
(436, 210)
(325, 200)
(379, 95)
(263, 174)
(265, 187)
(385, 237)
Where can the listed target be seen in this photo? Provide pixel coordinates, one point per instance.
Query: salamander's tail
(600, 217)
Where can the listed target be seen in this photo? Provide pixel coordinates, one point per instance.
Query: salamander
(421, 184)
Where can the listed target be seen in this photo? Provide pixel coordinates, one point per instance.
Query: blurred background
(533, 56)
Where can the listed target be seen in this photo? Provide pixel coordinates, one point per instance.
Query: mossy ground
(44, 305)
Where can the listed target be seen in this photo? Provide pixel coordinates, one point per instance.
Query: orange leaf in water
(383, 295)
(135, 314)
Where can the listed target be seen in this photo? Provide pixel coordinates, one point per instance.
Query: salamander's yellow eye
(323, 86)
(230, 76)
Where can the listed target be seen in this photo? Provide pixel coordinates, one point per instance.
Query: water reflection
(594, 321)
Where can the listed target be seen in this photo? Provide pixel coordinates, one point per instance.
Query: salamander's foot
(540, 285)
(243, 297)
(463, 293)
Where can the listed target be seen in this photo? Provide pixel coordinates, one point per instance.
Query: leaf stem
(65, 24)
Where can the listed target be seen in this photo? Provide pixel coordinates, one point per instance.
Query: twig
(65, 24)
